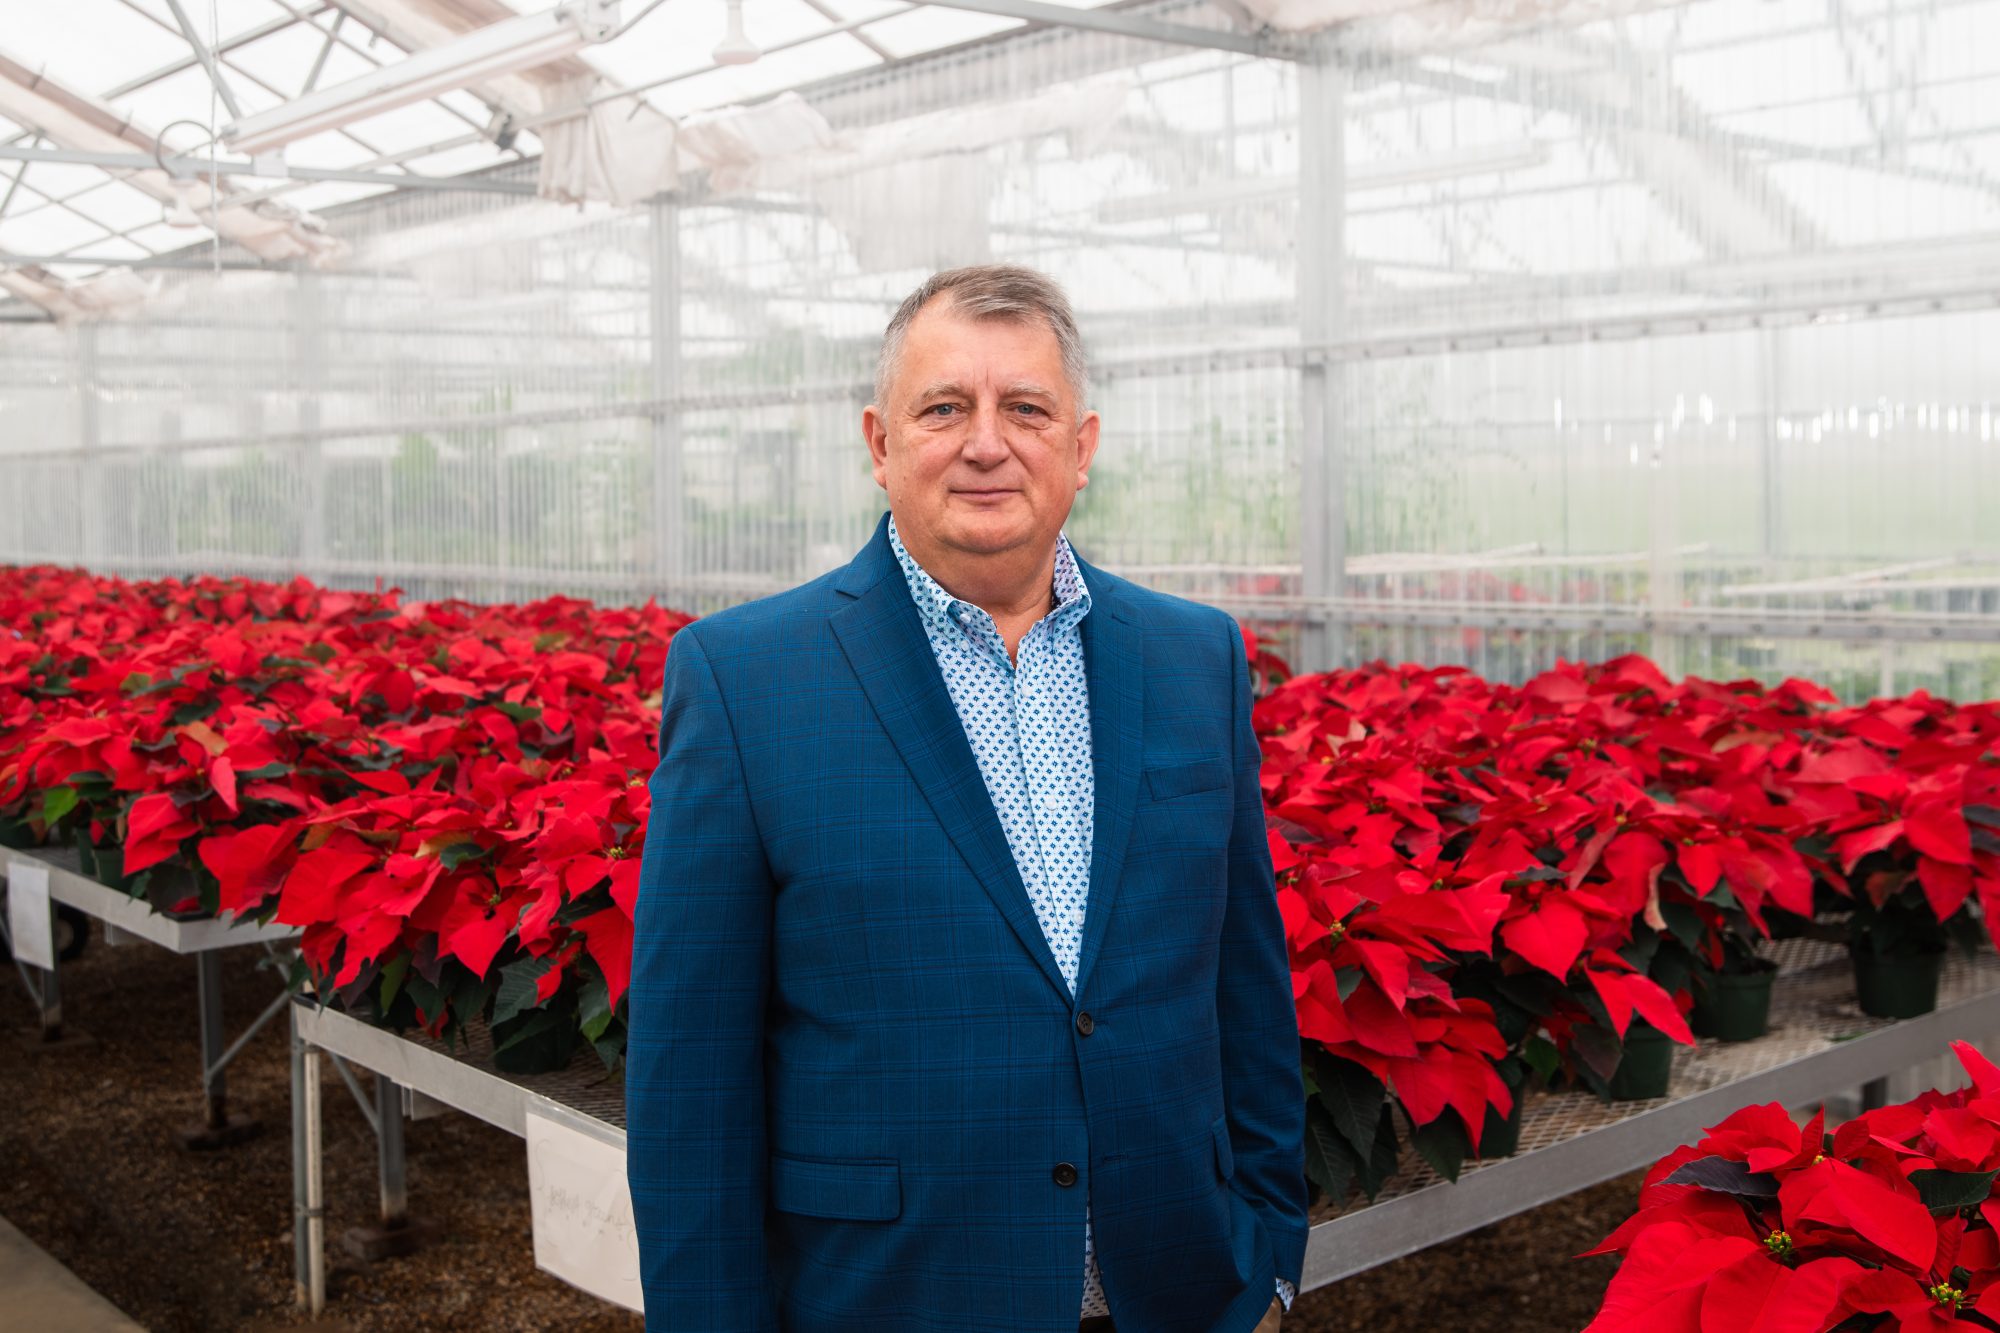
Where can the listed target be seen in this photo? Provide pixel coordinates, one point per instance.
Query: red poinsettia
(1761, 1226)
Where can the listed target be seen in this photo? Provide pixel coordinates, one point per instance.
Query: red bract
(1761, 1226)
(434, 793)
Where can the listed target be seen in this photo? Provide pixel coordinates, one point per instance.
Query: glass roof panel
(678, 39)
(163, 238)
(327, 150)
(117, 205)
(927, 29)
(61, 178)
(47, 230)
(415, 126)
(772, 72)
(187, 95)
(458, 161)
(343, 62)
(230, 17)
(58, 38)
(285, 57)
(119, 247)
(862, 9)
(329, 194)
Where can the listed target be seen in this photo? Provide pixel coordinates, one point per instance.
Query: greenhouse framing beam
(1363, 348)
(145, 261)
(1134, 25)
(207, 59)
(199, 166)
(224, 47)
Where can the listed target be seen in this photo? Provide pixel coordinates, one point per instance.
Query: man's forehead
(941, 322)
(972, 386)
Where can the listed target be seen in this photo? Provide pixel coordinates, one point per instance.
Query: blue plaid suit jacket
(854, 1068)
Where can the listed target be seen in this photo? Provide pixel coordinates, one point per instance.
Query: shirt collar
(940, 610)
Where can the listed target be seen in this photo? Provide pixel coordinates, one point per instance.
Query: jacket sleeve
(1264, 1095)
(694, 1080)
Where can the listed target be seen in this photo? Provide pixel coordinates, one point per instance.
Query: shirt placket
(1048, 799)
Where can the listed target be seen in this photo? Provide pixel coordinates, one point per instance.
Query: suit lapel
(883, 639)
(1114, 655)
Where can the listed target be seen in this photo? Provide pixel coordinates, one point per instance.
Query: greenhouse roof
(164, 76)
(1749, 133)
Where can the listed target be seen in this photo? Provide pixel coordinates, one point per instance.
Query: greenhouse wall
(1674, 332)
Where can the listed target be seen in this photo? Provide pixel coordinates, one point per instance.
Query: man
(960, 999)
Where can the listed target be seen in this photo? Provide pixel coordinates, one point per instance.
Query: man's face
(979, 445)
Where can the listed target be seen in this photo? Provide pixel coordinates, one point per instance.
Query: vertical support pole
(389, 1153)
(1322, 254)
(669, 516)
(312, 1218)
(214, 1079)
(90, 489)
(309, 345)
(49, 997)
(1874, 1094)
(301, 1252)
(1771, 513)
(217, 1128)
(1663, 567)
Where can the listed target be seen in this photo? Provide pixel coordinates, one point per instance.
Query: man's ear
(875, 430)
(1086, 448)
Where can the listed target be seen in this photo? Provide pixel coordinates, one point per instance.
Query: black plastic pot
(1734, 1006)
(1784, 925)
(1500, 1136)
(1646, 1066)
(1897, 985)
(106, 865)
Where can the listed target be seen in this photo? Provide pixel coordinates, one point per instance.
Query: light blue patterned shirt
(1029, 726)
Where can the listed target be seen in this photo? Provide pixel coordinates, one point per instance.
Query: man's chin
(988, 538)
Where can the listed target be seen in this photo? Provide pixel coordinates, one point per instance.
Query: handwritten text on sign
(584, 1232)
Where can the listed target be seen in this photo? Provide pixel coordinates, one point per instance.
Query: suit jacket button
(1085, 1024)
(1065, 1174)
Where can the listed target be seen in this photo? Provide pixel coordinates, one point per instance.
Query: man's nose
(983, 441)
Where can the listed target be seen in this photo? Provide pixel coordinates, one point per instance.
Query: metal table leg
(301, 1246)
(217, 1128)
(312, 1217)
(389, 1155)
(395, 1234)
(50, 1003)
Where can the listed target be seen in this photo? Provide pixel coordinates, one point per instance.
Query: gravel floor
(91, 1169)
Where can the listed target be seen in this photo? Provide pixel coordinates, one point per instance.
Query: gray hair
(993, 291)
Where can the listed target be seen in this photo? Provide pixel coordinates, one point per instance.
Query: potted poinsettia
(1761, 1225)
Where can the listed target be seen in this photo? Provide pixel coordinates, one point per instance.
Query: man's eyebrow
(943, 389)
(1027, 389)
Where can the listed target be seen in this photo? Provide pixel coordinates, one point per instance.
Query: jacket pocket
(1169, 781)
(1225, 1157)
(865, 1190)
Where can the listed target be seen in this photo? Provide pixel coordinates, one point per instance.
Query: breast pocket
(1171, 781)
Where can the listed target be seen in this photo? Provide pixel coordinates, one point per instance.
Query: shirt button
(1064, 1174)
(1051, 803)
(1085, 1024)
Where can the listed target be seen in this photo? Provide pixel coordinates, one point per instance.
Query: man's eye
(940, 407)
(1028, 408)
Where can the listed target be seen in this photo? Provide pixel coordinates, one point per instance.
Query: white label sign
(584, 1233)
(29, 923)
